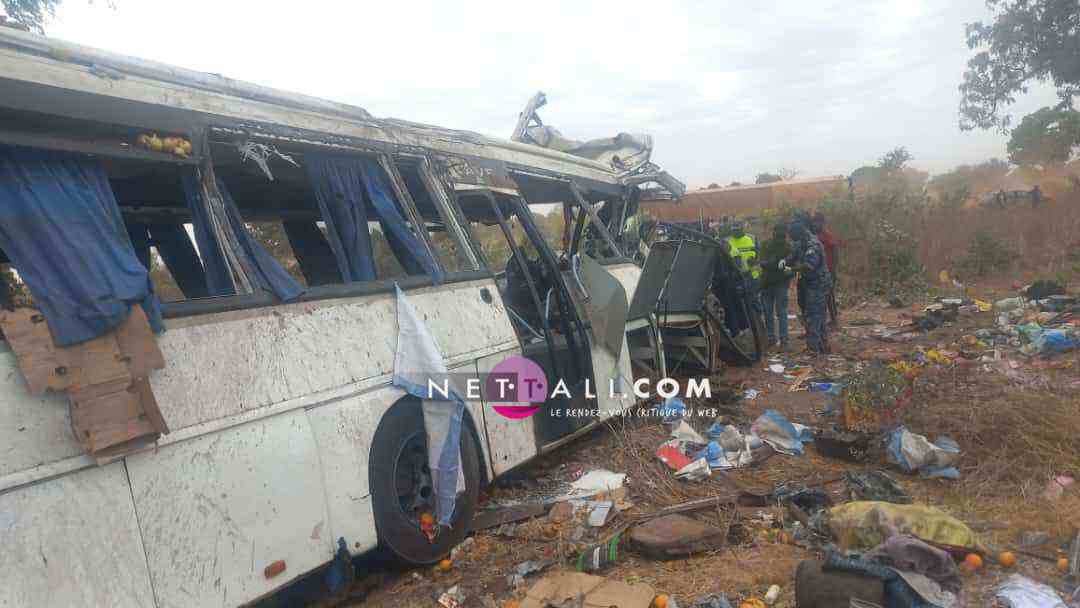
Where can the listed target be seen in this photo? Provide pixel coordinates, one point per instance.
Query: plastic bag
(779, 433)
(912, 452)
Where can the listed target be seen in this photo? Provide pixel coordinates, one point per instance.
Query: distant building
(715, 203)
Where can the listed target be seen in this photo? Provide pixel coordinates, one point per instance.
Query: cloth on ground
(61, 227)
(418, 360)
(866, 524)
(912, 452)
(905, 552)
(782, 435)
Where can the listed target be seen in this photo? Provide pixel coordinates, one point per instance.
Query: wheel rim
(413, 485)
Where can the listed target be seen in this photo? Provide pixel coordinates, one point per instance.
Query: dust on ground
(1017, 422)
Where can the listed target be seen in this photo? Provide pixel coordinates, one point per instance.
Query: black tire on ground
(399, 531)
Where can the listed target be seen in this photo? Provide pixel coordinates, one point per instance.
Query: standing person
(831, 245)
(775, 282)
(744, 248)
(808, 259)
(1036, 196)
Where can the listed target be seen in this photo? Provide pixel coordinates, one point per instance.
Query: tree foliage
(895, 159)
(31, 13)
(1028, 40)
(1045, 137)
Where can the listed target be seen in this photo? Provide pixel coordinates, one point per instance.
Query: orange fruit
(1063, 564)
(445, 565)
(660, 601)
(974, 561)
(427, 519)
(1007, 559)
(752, 603)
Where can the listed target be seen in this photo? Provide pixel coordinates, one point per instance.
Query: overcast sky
(727, 90)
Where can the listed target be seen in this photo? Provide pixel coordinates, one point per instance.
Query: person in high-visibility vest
(744, 247)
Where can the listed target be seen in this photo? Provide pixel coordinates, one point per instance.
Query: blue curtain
(338, 184)
(409, 249)
(266, 273)
(62, 229)
(219, 281)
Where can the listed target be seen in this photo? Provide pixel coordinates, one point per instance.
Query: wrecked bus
(199, 403)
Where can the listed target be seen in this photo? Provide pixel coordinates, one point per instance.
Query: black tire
(398, 530)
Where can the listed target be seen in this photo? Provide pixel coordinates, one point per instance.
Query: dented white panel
(216, 510)
(513, 441)
(223, 365)
(73, 541)
(33, 430)
(343, 433)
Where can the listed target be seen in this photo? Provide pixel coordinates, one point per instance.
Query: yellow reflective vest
(745, 248)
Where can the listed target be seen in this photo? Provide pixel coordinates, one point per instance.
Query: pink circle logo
(516, 387)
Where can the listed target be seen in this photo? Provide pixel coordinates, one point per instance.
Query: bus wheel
(402, 489)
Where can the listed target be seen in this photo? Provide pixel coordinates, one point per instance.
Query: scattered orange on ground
(1007, 559)
(974, 561)
(1063, 564)
(445, 565)
(427, 519)
(660, 601)
(752, 603)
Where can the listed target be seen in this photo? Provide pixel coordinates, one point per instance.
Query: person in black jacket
(774, 286)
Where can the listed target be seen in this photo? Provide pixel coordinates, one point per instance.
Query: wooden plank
(30, 339)
(506, 515)
(137, 344)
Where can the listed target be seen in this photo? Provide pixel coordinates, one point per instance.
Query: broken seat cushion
(675, 536)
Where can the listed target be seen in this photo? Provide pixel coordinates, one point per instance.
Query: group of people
(804, 248)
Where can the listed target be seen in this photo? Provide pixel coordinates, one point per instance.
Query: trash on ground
(875, 486)
(599, 513)
(517, 578)
(697, 470)
(866, 524)
(675, 535)
(844, 445)
(772, 595)
(909, 554)
(902, 588)
(819, 588)
(915, 453)
(454, 597)
(670, 454)
(686, 433)
(780, 434)
(713, 600)
(597, 557)
(1055, 488)
(596, 481)
(1019, 591)
(750, 394)
(588, 591)
(776, 368)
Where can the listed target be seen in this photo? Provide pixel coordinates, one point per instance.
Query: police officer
(808, 259)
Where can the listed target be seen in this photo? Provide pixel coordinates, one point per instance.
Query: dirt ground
(992, 409)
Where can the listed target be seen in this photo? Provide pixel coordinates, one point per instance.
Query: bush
(985, 255)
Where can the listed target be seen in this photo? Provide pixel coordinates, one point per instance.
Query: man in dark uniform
(831, 245)
(808, 259)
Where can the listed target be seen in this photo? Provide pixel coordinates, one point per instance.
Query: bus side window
(446, 241)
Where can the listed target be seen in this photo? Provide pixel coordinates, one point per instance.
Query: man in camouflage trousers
(808, 259)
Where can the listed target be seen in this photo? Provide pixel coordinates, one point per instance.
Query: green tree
(895, 159)
(1045, 137)
(31, 13)
(1028, 40)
